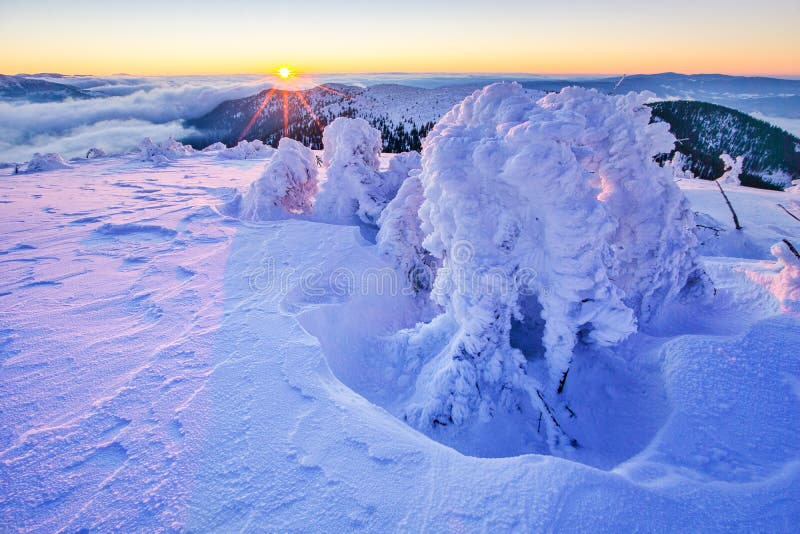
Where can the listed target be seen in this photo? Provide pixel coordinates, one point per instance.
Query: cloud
(133, 108)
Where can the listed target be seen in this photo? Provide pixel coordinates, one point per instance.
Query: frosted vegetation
(207, 342)
(548, 217)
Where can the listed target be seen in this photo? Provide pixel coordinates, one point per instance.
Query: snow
(166, 367)
(245, 150)
(46, 162)
(288, 186)
(733, 169)
(163, 152)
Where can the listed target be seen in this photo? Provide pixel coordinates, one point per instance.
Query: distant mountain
(775, 97)
(403, 114)
(705, 131)
(22, 88)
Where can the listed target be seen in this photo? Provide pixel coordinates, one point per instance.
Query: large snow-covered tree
(551, 211)
(355, 185)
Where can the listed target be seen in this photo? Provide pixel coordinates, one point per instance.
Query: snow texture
(152, 378)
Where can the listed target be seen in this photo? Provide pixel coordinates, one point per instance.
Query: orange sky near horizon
(506, 36)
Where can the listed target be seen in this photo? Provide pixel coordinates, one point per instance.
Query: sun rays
(288, 81)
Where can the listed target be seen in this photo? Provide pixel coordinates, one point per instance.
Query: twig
(573, 442)
(791, 247)
(539, 426)
(563, 380)
(792, 215)
(728, 202)
(571, 413)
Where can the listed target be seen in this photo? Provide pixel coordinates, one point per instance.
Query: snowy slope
(163, 367)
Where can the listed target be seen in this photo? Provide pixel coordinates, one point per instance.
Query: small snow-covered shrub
(552, 209)
(215, 147)
(248, 150)
(94, 153)
(785, 285)
(354, 184)
(733, 169)
(46, 162)
(162, 153)
(287, 186)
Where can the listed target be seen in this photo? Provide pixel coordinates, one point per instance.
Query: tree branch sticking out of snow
(354, 185)
(558, 201)
(287, 186)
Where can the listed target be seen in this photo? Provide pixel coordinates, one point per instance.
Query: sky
(148, 37)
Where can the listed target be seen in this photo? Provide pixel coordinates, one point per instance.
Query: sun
(284, 73)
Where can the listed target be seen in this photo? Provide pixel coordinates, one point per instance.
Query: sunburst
(286, 80)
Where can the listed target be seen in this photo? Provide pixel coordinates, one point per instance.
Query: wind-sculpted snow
(548, 211)
(287, 186)
(166, 368)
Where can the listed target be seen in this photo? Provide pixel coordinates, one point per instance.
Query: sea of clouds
(126, 110)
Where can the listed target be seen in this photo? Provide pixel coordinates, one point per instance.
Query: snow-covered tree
(94, 153)
(653, 243)
(400, 236)
(46, 162)
(287, 186)
(354, 185)
(554, 209)
(733, 169)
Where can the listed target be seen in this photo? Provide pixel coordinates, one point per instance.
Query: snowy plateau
(257, 339)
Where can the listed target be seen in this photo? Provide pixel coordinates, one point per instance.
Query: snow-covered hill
(165, 367)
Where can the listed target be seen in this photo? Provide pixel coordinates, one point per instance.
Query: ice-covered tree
(551, 211)
(247, 150)
(733, 169)
(354, 184)
(287, 186)
(400, 235)
(46, 162)
(653, 242)
(161, 153)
